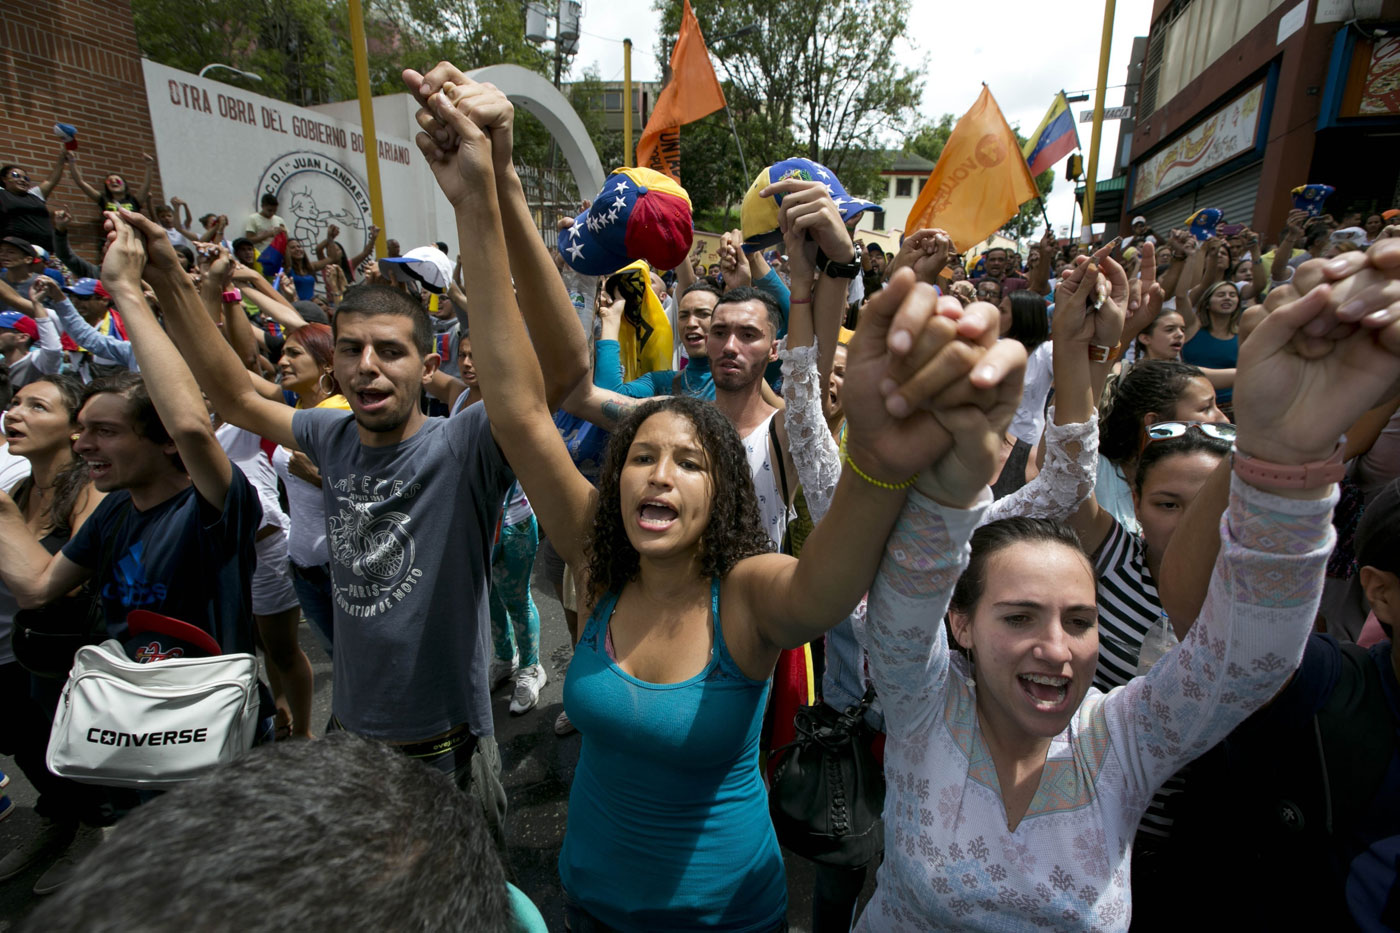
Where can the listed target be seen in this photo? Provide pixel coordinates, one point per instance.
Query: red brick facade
(74, 61)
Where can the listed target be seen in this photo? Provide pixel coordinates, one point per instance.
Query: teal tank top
(668, 815)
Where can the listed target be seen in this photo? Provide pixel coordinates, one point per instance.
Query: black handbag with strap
(828, 791)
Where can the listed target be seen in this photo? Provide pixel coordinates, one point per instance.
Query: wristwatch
(838, 270)
(1313, 475)
(232, 296)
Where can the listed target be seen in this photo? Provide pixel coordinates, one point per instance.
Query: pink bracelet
(1313, 475)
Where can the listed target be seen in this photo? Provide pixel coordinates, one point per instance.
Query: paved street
(538, 768)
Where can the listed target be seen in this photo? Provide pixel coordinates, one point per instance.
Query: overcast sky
(1035, 50)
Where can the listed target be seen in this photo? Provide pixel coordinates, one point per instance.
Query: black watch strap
(838, 270)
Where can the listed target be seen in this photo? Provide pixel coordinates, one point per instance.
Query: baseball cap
(1202, 223)
(758, 216)
(154, 637)
(13, 320)
(426, 265)
(86, 288)
(21, 244)
(639, 214)
(1139, 219)
(1310, 198)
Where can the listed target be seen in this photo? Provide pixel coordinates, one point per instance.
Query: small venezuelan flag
(1055, 138)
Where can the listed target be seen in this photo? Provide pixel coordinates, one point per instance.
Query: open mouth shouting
(656, 515)
(372, 400)
(1048, 693)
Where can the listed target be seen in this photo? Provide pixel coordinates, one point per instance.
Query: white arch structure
(527, 89)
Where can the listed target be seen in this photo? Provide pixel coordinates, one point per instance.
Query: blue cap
(758, 216)
(83, 288)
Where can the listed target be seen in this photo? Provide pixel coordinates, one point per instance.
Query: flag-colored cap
(1310, 198)
(426, 265)
(639, 214)
(758, 216)
(1202, 224)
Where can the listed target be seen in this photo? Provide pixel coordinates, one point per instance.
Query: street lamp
(238, 71)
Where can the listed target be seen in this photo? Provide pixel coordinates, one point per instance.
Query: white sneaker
(563, 725)
(501, 671)
(51, 837)
(527, 688)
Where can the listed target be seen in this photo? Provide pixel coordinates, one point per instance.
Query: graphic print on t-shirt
(129, 585)
(375, 546)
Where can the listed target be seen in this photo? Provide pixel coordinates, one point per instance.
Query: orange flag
(693, 92)
(980, 181)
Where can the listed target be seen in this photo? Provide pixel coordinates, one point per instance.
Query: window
(612, 101)
(922, 182)
(877, 220)
(903, 187)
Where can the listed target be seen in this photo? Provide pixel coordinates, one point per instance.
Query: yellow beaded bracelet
(846, 458)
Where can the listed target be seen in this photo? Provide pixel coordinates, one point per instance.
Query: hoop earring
(327, 389)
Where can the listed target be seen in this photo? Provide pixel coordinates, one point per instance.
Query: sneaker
(51, 837)
(527, 688)
(59, 874)
(4, 780)
(563, 725)
(7, 806)
(501, 671)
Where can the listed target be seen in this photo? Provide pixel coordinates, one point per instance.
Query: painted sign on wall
(1229, 131)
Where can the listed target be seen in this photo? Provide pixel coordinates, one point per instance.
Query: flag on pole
(692, 93)
(978, 183)
(1054, 139)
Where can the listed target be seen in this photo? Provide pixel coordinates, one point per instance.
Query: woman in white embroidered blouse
(1014, 788)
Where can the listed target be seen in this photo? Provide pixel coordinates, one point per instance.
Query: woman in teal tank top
(668, 824)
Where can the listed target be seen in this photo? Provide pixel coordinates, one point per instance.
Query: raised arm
(82, 183)
(183, 218)
(50, 357)
(220, 373)
(144, 194)
(55, 174)
(795, 602)
(89, 337)
(169, 381)
(80, 266)
(550, 320)
(358, 259)
(461, 156)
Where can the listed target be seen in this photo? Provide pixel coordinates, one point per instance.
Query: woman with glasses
(23, 211)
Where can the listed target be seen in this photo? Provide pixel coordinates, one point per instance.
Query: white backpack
(124, 724)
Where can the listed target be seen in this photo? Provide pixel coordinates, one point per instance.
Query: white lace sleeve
(814, 451)
(1071, 463)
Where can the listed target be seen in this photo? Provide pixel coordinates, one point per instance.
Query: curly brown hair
(734, 531)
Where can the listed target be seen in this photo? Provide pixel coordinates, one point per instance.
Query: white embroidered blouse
(950, 861)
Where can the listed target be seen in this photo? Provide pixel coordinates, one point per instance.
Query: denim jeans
(313, 586)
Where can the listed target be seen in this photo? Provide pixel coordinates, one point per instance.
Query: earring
(329, 389)
(970, 680)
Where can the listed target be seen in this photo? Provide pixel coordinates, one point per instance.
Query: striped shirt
(1128, 608)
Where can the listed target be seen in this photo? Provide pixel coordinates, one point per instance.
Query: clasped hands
(929, 389)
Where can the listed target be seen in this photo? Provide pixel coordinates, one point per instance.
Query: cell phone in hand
(1231, 229)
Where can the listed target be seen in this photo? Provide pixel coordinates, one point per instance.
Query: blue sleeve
(607, 374)
(774, 286)
(92, 339)
(84, 548)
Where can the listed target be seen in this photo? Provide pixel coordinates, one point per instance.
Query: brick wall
(74, 61)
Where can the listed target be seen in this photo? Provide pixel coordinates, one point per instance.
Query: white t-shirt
(1029, 421)
(13, 468)
(257, 223)
(244, 448)
(306, 541)
(179, 239)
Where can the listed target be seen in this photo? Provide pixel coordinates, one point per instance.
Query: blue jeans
(313, 586)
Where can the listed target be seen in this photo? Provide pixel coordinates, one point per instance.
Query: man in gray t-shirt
(410, 538)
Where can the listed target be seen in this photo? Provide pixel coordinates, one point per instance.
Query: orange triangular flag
(980, 181)
(693, 92)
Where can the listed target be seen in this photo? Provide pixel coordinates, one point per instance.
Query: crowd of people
(1099, 544)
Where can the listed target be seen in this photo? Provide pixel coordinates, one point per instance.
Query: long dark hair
(1029, 323)
(1152, 385)
(73, 477)
(734, 531)
(997, 536)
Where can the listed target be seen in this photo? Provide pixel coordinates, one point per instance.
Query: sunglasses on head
(1165, 429)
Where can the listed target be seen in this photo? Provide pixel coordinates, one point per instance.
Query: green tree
(929, 138)
(817, 78)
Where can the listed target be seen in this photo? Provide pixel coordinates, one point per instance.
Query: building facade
(903, 180)
(1243, 100)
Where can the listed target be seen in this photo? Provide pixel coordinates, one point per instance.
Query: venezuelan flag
(1055, 138)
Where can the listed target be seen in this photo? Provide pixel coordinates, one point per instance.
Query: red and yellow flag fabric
(981, 179)
(692, 93)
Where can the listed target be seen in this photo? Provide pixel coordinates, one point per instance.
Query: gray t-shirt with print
(410, 529)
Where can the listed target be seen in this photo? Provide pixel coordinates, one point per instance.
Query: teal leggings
(515, 622)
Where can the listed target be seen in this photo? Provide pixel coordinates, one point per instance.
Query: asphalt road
(538, 767)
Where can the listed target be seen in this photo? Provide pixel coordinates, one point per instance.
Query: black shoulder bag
(828, 792)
